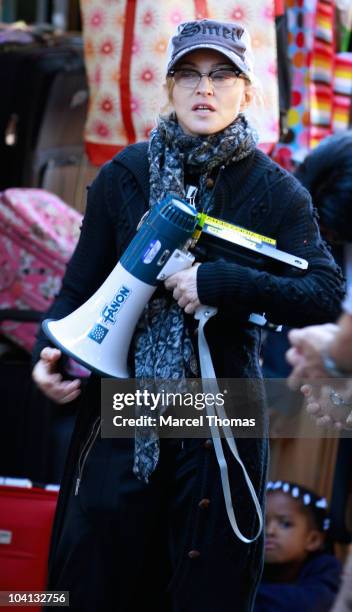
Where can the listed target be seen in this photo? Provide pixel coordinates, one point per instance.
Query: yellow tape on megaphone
(218, 226)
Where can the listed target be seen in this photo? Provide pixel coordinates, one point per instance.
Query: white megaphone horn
(98, 333)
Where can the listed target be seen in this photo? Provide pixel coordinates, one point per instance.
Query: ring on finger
(338, 401)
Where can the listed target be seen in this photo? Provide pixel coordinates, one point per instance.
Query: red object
(26, 518)
(279, 7)
(201, 9)
(99, 153)
(125, 92)
(283, 157)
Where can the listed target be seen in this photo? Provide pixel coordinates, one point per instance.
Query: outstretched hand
(330, 406)
(305, 354)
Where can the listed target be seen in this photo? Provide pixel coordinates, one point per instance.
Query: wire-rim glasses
(189, 78)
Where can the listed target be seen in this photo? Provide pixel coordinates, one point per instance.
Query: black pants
(126, 546)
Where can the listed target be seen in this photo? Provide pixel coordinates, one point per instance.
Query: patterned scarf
(162, 346)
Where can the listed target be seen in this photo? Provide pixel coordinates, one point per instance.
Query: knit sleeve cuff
(220, 283)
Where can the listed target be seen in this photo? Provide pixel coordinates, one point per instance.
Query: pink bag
(38, 233)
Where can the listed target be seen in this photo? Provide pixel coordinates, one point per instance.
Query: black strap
(26, 316)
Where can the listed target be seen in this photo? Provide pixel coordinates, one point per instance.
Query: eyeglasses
(190, 79)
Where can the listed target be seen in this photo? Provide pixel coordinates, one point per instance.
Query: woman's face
(207, 109)
(289, 533)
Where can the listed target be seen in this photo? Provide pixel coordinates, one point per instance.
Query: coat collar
(237, 180)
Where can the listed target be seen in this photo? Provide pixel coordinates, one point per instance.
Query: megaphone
(98, 333)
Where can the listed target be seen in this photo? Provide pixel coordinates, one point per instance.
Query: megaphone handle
(205, 312)
(178, 261)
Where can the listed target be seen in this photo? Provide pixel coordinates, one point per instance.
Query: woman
(153, 528)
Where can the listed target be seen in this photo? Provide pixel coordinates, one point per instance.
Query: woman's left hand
(184, 285)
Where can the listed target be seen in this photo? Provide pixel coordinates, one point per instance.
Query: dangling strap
(203, 314)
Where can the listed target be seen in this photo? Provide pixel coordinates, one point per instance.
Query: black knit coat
(254, 193)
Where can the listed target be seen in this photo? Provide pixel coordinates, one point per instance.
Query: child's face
(289, 534)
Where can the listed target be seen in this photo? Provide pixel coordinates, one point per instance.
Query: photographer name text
(171, 421)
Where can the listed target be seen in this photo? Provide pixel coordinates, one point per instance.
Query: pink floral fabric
(38, 233)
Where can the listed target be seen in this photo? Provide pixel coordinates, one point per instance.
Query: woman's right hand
(46, 375)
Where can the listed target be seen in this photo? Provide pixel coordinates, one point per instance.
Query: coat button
(193, 554)
(204, 503)
(208, 443)
(209, 183)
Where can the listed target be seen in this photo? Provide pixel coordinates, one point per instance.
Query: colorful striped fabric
(322, 73)
(300, 20)
(321, 99)
(342, 92)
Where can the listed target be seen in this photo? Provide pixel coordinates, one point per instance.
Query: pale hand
(184, 287)
(325, 411)
(45, 374)
(305, 354)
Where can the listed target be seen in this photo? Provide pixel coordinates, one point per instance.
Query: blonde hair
(168, 86)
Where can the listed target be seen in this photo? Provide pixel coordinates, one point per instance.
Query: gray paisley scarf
(162, 346)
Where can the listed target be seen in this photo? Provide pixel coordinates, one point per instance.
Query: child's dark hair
(327, 173)
(312, 505)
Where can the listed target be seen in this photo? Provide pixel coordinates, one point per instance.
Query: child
(300, 575)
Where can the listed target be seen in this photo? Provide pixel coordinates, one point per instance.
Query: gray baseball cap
(230, 39)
